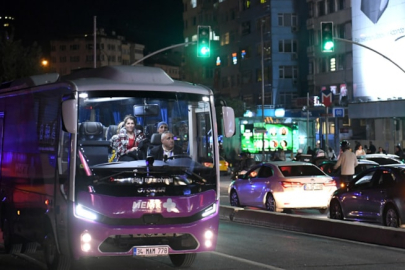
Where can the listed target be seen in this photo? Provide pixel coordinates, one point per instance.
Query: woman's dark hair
(129, 117)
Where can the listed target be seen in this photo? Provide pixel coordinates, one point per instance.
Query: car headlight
(85, 212)
(210, 210)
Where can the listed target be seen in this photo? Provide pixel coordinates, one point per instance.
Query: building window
(341, 4)
(267, 74)
(89, 58)
(75, 59)
(53, 59)
(321, 8)
(53, 48)
(341, 30)
(288, 72)
(62, 59)
(74, 47)
(246, 4)
(287, 19)
(331, 6)
(246, 76)
(287, 46)
(311, 10)
(225, 39)
(224, 82)
(246, 28)
(208, 73)
(62, 47)
(341, 62)
(194, 20)
(323, 64)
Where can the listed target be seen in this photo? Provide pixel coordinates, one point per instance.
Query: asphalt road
(250, 247)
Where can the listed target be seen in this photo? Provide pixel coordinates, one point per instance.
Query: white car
(279, 185)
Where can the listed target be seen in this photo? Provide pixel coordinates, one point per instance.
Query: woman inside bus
(128, 139)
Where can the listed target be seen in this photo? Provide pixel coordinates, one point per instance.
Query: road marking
(247, 261)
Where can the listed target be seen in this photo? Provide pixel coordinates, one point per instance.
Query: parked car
(384, 159)
(375, 195)
(327, 167)
(224, 168)
(283, 185)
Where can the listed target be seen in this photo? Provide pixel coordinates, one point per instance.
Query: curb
(348, 230)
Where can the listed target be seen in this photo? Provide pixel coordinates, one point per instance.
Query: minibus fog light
(208, 235)
(86, 237)
(86, 247)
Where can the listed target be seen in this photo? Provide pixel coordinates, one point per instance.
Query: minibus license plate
(151, 251)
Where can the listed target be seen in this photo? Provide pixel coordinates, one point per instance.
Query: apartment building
(77, 52)
(248, 36)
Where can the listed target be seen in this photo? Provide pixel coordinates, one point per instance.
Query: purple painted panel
(135, 207)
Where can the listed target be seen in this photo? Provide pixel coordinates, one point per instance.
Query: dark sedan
(375, 195)
(327, 167)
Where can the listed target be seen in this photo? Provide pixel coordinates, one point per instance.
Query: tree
(17, 61)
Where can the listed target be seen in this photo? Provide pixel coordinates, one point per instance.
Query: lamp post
(262, 63)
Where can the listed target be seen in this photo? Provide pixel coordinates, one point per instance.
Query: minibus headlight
(85, 212)
(212, 209)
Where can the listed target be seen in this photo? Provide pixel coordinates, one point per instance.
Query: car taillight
(226, 163)
(330, 183)
(286, 184)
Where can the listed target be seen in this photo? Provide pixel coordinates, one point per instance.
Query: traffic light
(203, 41)
(327, 43)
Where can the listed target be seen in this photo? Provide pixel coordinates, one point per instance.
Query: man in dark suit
(168, 148)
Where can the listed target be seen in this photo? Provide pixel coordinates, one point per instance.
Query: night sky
(154, 23)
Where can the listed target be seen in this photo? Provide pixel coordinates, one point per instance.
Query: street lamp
(44, 63)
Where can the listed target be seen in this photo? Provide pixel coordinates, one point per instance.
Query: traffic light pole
(162, 50)
(364, 46)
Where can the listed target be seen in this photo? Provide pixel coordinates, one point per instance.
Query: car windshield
(105, 150)
(300, 170)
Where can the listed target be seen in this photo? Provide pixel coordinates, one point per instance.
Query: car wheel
(270, 203)
(391, 218)
(234, 199)
(335, 210)
(182, 260)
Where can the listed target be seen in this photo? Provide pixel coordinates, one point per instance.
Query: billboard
(275, 136)
(380, 25)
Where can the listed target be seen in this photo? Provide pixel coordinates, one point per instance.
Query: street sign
(338, 112)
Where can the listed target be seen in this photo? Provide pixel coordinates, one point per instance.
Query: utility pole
(95, 40)
(262, 63)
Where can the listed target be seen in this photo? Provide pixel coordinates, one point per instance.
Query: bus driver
(168, 148)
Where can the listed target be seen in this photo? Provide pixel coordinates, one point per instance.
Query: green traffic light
(203, 41)
(204, 50)
(328, 46)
